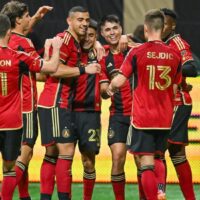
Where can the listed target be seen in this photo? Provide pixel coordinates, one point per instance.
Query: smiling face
(90, 38)
(78, 23)
(112, 32)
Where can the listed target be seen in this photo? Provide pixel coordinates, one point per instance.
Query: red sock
(23, 185)
(149, 184)
(140, 188)
(160, 174)
(63, 174)
(184, 174)
(19, 169)
(8, 185)
(88, 184)
(118, 184)
(47, 175)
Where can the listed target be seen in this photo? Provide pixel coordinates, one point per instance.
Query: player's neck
(114, 48)
(154, 35)
(3, 42)
(74, 35)
(18, 30)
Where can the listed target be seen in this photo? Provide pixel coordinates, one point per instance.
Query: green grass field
(104, 192)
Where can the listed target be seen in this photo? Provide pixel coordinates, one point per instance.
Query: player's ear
(18, 20)
(8, 32)
(173, 25)
(146, 32)
(68, 20)
(101, 32)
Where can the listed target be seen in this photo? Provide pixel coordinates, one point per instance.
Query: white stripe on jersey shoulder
(29, 42)
(66, 38)
(179, 43)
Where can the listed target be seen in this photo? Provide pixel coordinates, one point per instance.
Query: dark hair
(14, 9)
(4, 25)
(154, 19)
(138, 34)
(77, 9)
(93, 24)
(169, 12)
(109, 18)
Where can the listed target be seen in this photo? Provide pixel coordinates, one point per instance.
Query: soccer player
(178, 137)
(120, 109)
(20, 24)
(157, 71)
(86, 108)
(11, 69)
(55, 105)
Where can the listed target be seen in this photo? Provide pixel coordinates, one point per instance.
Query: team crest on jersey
(91, 55)
(109, 65)
(66, 132)
(111, 133)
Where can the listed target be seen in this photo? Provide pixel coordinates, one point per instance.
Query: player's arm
(41, 77)
(175, 88)
(189, 69)
(125, 42)
(40, 13)
(99, 50)
(51, 65)
(65, 71)
(117, 82)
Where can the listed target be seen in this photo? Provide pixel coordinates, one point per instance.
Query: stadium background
(131, 13)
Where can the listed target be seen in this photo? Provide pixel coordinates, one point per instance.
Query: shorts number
(165, 70)
(94, 137)
(4, 84)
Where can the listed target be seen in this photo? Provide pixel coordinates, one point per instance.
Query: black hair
(169, 12)
(14, 9)
(93, 24)
(4, 25)
(77, 9)
(109, 18)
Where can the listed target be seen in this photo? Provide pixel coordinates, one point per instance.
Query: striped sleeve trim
(104, 81)
(179, 43)
(66, 38)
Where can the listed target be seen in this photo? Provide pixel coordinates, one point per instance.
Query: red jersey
(182, 97)
(29, 91)
(156, 67)
(121, 101)
(10, 95)
(59, 91)
(87, 89)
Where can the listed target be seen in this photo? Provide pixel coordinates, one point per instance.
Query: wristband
(81, 69)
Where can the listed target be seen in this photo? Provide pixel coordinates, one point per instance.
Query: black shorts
(118, 129)
(146, 142)
(87, 130)
(55, 126)
(179, 130)
(10, 144)
(30, 128)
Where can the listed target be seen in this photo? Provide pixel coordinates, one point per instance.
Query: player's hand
(123, 43)
(57, 42)
(189, 88)
(110, 91)
(41, 12)
(93, 68)
(99, 50)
